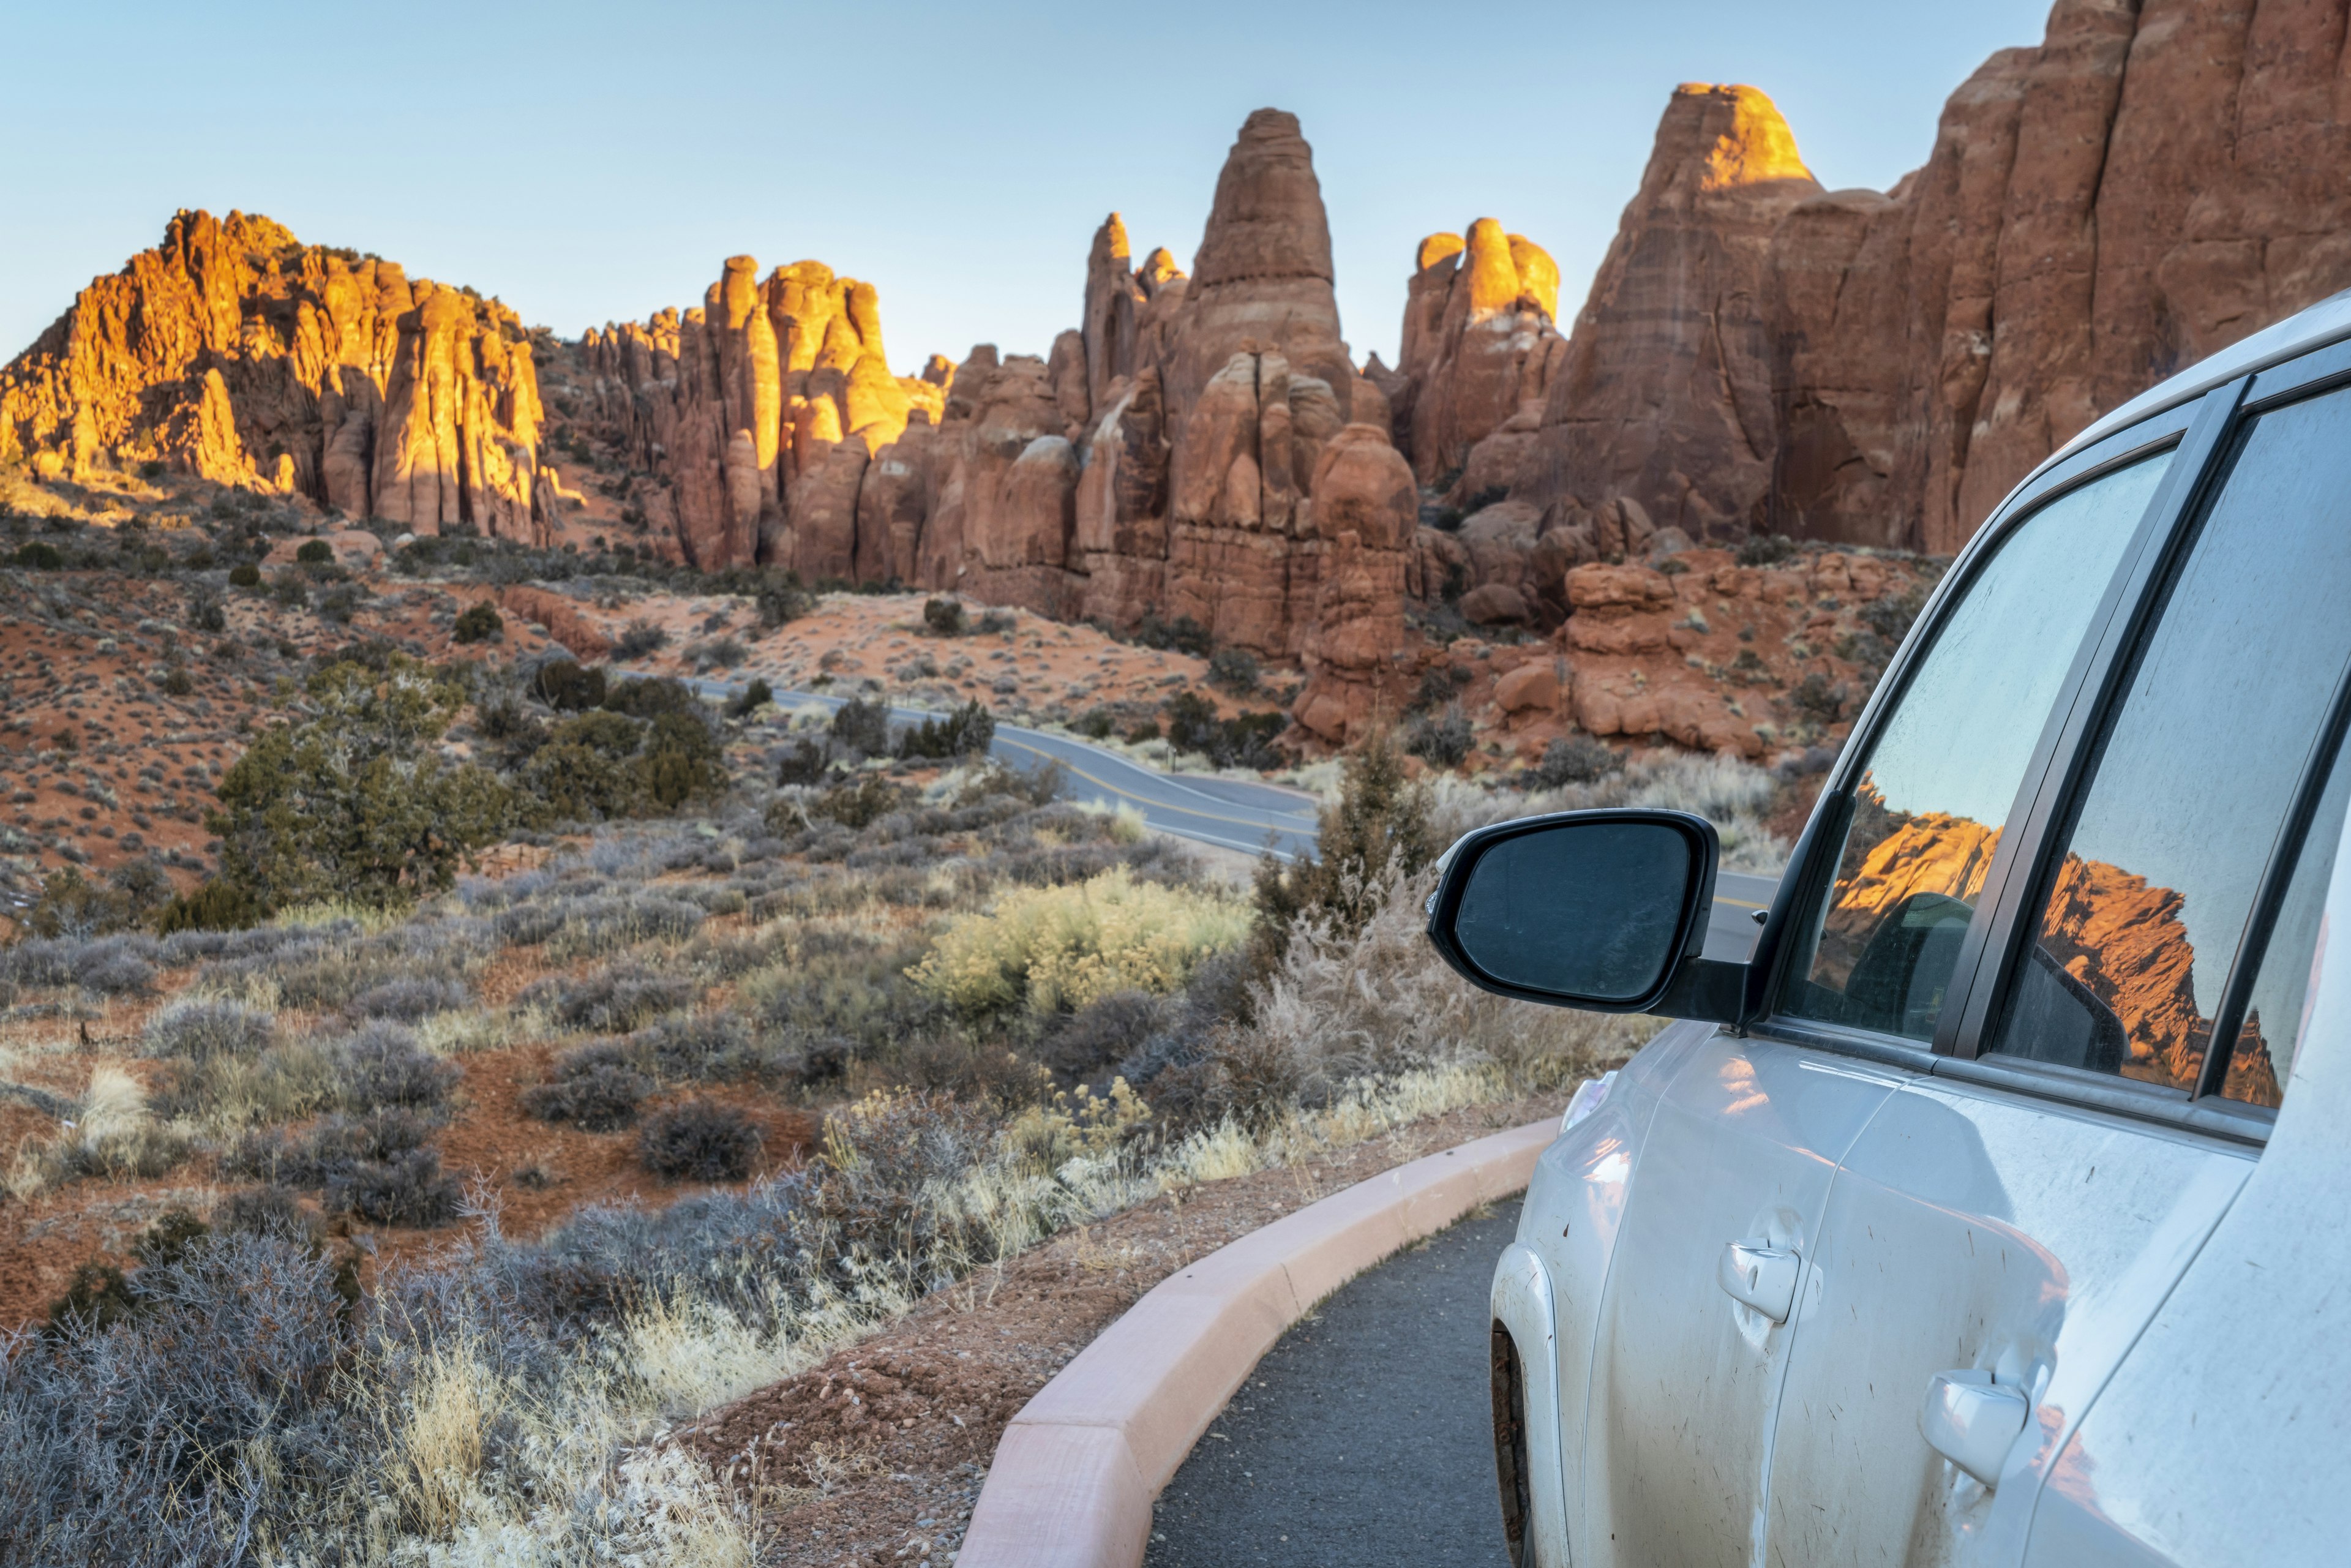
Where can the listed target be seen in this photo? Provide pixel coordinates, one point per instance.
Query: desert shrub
(860, 803)
(115, 966)
(177, 682)
(1765, 549)
(701, 1140)
(1049, 949)
(650, 698)
(968, 731)
(563, 686)
(943, 617)
(1183, 635)
(603, 765)
(407, 998)
(406, 1189)
(756, 694)
(1234, 670)
(1443, 737)
(353, 803)
(601, 1096)
(1817, 698)
(780, 598)
(1244, 740)
(97, 1297)
(886, 1155)
(861, 728)
(681, 761)
(264, 1211)
(199, 1030)
(245, 574)
(638, 639)
(314, 551)
(205, 612)
(717, 654)
(1379, 827)
(1098, 1036)
(74, 905)
(699, 1046)
(1579, 759)
(610, 1001)
(478, 623)
(37, 556)
(805, 761)
(383, 1065)
(215, 905)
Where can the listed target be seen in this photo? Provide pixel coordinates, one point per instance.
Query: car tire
(1510, 1449)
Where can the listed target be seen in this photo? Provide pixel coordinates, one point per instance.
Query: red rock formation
(1364, 505)
(235, 353)
(739, 409)
(1665, 394)
(1479, 351)
(2149, 184)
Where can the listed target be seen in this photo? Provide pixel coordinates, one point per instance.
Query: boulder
(1530, 688)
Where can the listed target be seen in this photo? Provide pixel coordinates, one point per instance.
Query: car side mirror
(1601, 910)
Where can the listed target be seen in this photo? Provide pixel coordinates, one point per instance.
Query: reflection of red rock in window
(1890, 858)
(2123, 940)
(2252, 1072)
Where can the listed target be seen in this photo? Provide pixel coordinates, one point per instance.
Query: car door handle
(1761, 1276)
(1973, 1421)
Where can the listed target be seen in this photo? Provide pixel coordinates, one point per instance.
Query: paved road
(1233, 813)
(1731, 930)
(1363, 1438)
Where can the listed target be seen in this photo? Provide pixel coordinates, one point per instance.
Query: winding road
(1235, 813)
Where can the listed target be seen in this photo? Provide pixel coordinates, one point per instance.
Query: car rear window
(2189, 785)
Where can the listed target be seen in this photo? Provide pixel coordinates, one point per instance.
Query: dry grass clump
(1065, 947)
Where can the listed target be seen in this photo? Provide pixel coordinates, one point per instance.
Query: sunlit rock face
(741, 408)
(1478, 355)
(236, 353)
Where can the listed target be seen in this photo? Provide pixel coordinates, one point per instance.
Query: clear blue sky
(592, 160)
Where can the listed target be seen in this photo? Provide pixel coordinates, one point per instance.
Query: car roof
(2322, 323)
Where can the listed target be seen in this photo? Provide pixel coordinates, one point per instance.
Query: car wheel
(1510, 1449)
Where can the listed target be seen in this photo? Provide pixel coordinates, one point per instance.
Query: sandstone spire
(1666, 393)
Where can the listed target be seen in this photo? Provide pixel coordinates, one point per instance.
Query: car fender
(1566, 1238)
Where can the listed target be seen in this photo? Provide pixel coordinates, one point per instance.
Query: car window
(1922, 823)
(2188, 786)
(2278, 1012)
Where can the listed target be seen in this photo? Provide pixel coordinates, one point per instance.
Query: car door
(2003, 1231)
(1736, 1173)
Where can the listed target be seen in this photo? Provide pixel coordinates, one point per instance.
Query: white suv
(1993, 1212)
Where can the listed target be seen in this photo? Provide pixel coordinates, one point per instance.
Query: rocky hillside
(235, 354)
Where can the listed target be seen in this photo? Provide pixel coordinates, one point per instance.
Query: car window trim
(1818, 847)
(2008, 912)
(2227, 1120)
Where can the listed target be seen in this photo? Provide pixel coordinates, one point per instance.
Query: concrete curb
(1078, 1466)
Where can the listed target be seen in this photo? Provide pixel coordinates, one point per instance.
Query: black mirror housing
(1602, 910)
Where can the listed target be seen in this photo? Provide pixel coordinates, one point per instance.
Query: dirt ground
(877, 1455)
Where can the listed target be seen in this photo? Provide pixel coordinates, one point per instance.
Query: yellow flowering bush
(1055, 947)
